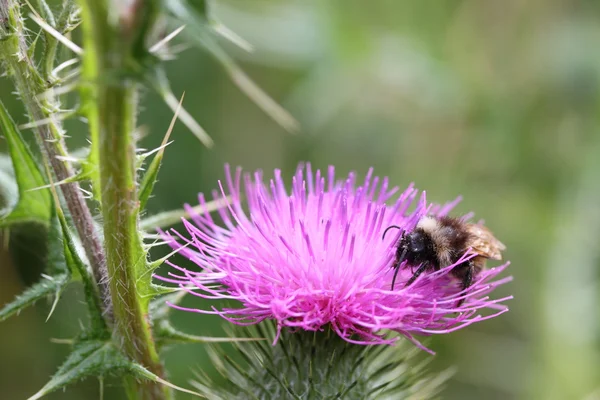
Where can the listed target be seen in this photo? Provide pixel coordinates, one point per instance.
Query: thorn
(179, 388)
(64, 65)
(56, 298)
(57, 91)
(256, 94)
(69, 159)
(87, 193)
(59, 36)
(185, 117)
(159, 148)
(54, 184)
(157, 263)
(62, 341)
(166, 39)
(180, 48)
(46, 121)
(233, 37)
(73, 74)
(156, 243)
(172, 124)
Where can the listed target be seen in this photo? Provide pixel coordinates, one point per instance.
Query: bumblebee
(437, 242)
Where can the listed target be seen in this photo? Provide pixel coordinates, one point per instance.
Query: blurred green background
(498, 101)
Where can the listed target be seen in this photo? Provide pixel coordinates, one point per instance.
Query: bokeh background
(495, 101)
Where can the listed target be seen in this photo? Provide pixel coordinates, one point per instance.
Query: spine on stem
(40, 105)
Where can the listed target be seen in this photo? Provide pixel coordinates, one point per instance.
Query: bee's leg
(467, 272)
(400, 257)
(396, 266)
(395, 275)
(418, 272)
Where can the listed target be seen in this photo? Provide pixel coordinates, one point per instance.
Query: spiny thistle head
(314, 257)
(317, 365)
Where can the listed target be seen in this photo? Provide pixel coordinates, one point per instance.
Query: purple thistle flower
(315, 257)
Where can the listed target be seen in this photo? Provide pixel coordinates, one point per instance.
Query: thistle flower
(314, 258)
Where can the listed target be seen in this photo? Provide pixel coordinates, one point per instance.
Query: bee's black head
(416, 247)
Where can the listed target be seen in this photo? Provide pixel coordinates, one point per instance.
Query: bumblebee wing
(484, 243)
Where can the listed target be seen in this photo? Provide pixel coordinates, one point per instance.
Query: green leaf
(89, 358)
(151, 174)
(63, 266)
(97, 358)
(32, 206)
(57, 277)
(49, 285)
(33, 46)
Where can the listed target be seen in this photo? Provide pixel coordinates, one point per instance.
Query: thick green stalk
(109, 52)
(30, 85)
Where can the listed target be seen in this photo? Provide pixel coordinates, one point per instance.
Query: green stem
(109, 51)
(30, 85)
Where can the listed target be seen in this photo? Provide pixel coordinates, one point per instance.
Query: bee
(437, 242)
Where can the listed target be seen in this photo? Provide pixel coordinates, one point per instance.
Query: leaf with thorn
(30, 206)
(53, 282)
(97, 358)
(33, 45)
(47, 286)
(151, 174)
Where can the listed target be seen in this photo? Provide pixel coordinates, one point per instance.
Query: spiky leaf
(151, 174)
(32, 206)
(53, 282)
(98, 358)
(92, 358)
(47, 286)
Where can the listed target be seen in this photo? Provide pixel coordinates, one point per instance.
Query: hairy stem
(109, 44)
(41, 105)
